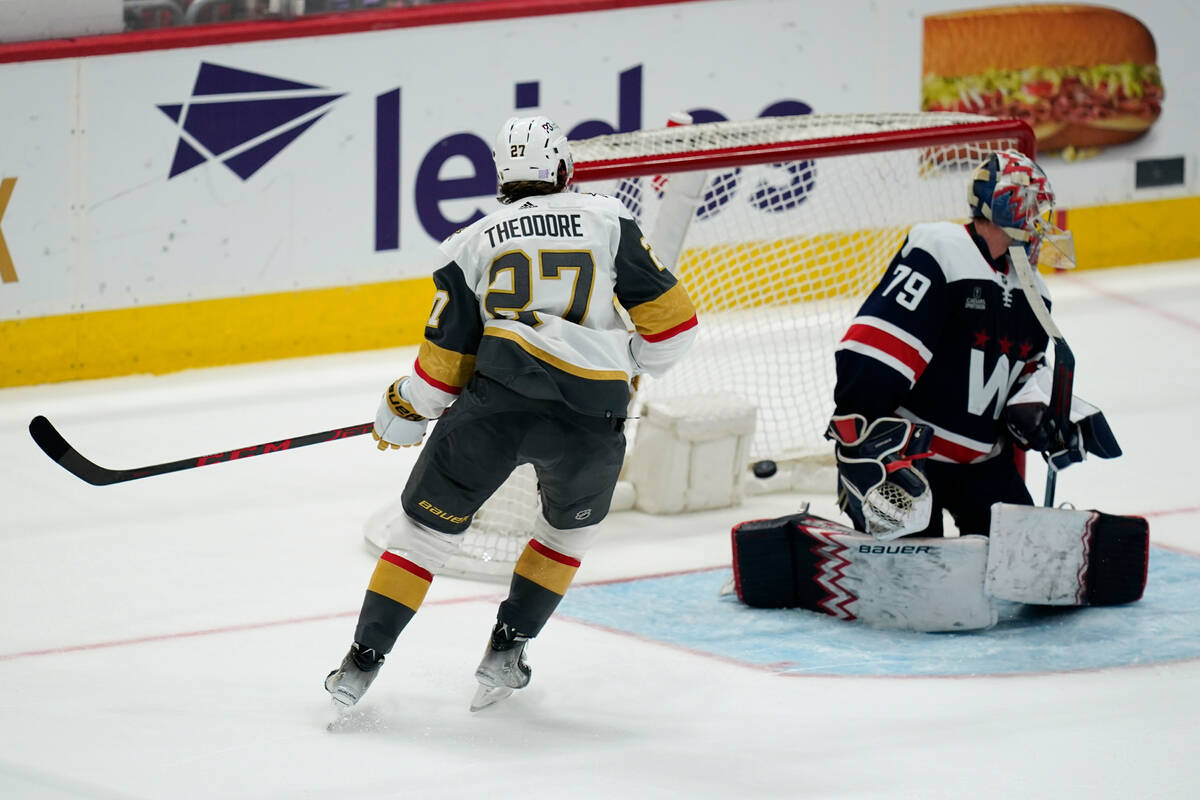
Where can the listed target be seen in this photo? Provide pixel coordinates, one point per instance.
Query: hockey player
(525, 360)
(926, 411)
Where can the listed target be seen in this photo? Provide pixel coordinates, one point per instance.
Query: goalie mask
(532, 149)
(1012, 191)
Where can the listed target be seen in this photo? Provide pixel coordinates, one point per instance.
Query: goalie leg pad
(766, 556)
(1066, 557)
(1119, 560)
(920, 584)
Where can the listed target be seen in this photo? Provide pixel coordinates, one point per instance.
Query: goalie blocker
(1044, 556)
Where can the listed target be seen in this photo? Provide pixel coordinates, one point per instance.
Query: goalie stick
(1064, 360)
(61, 452)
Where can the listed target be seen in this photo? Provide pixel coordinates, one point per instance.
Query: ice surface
(168, 638)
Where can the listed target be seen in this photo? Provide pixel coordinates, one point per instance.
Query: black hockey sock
(539, 582)
(396, 591)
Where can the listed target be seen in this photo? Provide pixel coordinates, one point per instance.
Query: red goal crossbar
(736, 156)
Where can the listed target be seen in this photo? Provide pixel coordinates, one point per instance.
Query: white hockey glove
(881, 480)
(397, 424)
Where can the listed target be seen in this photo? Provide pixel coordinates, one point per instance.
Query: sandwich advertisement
(1084, 77)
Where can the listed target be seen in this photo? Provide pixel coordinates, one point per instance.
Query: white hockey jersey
(528, 298)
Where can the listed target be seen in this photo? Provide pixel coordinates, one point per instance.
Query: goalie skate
(502, 669)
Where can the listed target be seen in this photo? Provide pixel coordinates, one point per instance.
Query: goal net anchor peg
(690, 453)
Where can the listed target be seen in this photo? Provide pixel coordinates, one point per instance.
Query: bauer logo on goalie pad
(804, 561)
(897, 549)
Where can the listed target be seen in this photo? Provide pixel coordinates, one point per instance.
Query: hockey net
(778, 227)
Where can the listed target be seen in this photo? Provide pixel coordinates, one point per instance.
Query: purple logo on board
(242, 119)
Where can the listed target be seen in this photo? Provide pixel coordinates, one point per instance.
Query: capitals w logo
(242, 119)
(984, 390)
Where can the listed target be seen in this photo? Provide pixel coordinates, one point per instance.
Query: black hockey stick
(54, 445)
(1060, 403)
(1062, 388)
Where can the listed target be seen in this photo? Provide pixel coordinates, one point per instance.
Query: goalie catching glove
(397, 423)
(1031, 425)
(881, 483)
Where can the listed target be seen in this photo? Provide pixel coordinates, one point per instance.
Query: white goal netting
(777, 227)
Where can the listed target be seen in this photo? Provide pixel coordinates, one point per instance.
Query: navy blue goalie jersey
(945, 338)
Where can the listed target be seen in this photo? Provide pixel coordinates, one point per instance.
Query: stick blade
(54, 445)
(48, 438)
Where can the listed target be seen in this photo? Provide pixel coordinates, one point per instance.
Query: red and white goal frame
(778, 227)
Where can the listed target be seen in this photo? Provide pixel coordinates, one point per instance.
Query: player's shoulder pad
(455, 240)
(453, 245)
(606, 203)
(952, 248)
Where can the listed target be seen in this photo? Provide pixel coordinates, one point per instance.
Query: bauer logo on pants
(242, 119)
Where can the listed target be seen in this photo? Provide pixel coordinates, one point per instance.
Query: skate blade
(341, 713)
(489, 695)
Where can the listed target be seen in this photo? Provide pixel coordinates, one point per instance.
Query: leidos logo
(242, 119)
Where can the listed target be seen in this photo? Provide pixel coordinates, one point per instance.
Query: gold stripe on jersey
(555, 361)
(669, 310)
(446, 366)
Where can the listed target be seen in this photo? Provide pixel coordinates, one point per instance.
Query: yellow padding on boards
(1136, 233)
(792, 270)
(395, 579)
(800, 269)
(546, 568)
(168, 338)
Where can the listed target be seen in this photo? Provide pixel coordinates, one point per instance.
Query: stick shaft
(61, 452)
(1063, 385)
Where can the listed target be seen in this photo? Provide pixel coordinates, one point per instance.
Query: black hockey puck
(764, 469)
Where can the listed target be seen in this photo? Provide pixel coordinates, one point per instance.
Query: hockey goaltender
(939, 377)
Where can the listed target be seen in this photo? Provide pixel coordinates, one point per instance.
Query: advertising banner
(286, 183)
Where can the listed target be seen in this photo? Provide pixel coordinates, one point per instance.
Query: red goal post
(778, 227)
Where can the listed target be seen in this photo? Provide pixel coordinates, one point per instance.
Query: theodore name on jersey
(535, 225)
(529, 298)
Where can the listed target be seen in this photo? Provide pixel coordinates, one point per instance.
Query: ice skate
(350, 681)
(502, 669)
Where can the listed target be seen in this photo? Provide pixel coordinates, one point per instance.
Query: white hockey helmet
(531, 149)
